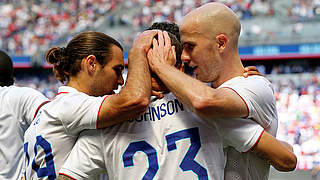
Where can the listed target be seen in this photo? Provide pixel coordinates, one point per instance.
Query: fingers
(149, 55)
(159, 95)
(173, 49)
(250, 68)
(250, 71)
(167, 39)
(145, 39)
(155, 43)
(151, 33)
(161, 39)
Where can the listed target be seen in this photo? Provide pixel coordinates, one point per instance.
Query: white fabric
(257, 92)
(56, 128)
(18, 106)
(103, 151)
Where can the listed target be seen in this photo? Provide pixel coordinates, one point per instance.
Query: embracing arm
(134, 97)
(199, 97)
(278, 153)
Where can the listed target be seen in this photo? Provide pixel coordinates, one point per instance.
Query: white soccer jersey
(18, 106)
(257, 93)
(51, 136)
(167, 142)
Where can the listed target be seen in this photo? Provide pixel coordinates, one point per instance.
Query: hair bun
(63, 51)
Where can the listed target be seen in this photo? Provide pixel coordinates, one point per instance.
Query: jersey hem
(67, 176)
(255, 142)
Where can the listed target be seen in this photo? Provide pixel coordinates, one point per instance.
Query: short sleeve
(30, 102)
(242, 134)
(79, 112)
(88, 149)
(257, 93)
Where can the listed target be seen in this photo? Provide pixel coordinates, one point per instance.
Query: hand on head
(144, 40)
(162, 52)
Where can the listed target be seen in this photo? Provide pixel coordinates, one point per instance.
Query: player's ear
(222, 42)
(90, 64)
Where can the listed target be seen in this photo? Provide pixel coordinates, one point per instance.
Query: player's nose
(185, 57)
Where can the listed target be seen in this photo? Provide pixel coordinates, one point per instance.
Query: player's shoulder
(251, 81)
(16, 92)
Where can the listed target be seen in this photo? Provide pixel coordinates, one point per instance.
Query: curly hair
(167, 26)
(173, 31)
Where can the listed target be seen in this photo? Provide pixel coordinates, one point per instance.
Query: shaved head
(213, 19)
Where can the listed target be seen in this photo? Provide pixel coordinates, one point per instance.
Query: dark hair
(178, 49)
(173, 31)
(167, 26)
(6, 69)
(66, 61)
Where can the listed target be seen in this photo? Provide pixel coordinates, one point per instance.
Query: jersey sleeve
(240, 133)
(80, 112)
(30, 101)
(86, 160)
(257, 93)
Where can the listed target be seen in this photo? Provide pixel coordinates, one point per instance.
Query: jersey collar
(67, 89)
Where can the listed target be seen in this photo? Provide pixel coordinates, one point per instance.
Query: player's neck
(232, 69)
(79, 84)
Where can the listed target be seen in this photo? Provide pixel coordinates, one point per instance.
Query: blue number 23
(188, 163)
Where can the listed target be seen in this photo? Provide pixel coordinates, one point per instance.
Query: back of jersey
(167, 142)
(17, 109)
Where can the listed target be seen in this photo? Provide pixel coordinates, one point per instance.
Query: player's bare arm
(278, 153)
(63, 177)
(133, 99)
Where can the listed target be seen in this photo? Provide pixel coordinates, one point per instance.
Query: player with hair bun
(91, 67)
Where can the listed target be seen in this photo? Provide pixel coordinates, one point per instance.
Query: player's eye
(188, 46)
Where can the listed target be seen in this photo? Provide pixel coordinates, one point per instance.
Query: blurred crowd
(174, 10)
(27, 26)
(297, 12)
(304, 10)
(48, 85)
(298, 104)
